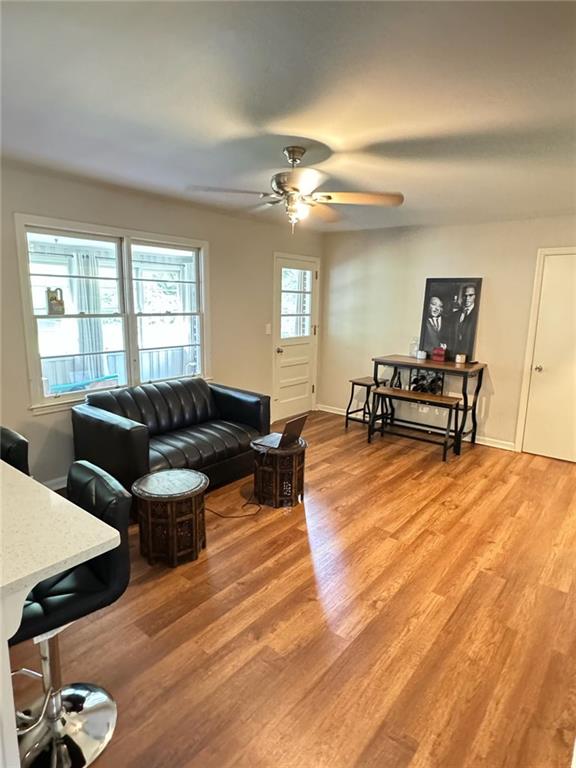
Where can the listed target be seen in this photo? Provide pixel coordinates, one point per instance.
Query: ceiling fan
(296, 189)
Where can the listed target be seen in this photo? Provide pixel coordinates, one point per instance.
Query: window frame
(38, 401)
(197, 313)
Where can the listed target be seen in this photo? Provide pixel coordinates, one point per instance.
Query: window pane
(292, 327)
(59, 336)
(72, 255)
(296, 279)
(173, 331)
(164, 296)
(155, 262)
(296, 303)
(79, 294)
(77, 373)
(169, 363)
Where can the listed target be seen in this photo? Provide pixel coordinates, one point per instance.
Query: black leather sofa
(184, 423)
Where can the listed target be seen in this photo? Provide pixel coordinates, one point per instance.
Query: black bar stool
(71, 725)
(14, 449)
(367, 383)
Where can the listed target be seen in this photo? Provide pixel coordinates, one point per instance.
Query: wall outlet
(268, 329)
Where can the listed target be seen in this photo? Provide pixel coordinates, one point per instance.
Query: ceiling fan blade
(225, 190)
(265, 206)
(359, 198)
(305, 180)
(324, 213)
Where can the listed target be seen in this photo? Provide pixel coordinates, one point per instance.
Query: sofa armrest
(245, 407)
(116, 444)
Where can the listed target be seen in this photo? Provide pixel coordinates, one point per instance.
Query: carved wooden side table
(170, 506)
(279, 474)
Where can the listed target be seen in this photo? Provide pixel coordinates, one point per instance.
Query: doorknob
(538, 368)
(279, 350)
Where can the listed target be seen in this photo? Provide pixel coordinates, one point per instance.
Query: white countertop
(42, 534)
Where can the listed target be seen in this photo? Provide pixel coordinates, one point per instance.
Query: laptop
(291, 433)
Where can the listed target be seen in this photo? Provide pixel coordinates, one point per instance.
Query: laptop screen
(293, 430)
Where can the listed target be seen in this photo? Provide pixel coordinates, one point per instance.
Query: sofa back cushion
(163, 406)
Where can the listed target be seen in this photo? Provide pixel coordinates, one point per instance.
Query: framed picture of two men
(450, 315)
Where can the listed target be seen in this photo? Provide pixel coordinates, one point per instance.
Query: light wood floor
(410, 613)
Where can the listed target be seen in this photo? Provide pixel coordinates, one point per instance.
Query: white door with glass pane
(295, 334)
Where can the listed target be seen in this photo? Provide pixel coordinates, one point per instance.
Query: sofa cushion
(200, 446)
(162, 407)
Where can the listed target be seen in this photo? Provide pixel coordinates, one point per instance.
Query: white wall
(373, 286)
(241, 274)
(373, 290)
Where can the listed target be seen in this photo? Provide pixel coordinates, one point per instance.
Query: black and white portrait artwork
(450, 315)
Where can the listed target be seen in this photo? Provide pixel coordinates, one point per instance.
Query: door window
(296, 303)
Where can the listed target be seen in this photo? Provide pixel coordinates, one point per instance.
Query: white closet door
(551, 415)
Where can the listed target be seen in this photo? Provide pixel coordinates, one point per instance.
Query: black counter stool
(14, 449)
(367, 383)
(72, 725)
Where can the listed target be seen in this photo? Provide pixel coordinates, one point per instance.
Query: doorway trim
(531, 339)
(275, 320)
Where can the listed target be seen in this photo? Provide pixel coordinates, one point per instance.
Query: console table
(463, 371)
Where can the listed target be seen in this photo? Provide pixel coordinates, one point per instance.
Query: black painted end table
(279, 474)
(170, 507)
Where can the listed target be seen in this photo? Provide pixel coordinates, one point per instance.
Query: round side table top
(170, 484)
(296, 447)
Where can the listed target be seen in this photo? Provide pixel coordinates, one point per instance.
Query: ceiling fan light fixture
(296, 208)
(302, 209)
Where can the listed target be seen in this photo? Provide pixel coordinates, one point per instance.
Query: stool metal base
(77, 735)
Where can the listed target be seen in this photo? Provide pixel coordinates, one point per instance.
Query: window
(165, 285)
(296, 303)
(106, 309)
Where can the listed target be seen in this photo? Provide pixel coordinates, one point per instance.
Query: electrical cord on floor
(246, 503)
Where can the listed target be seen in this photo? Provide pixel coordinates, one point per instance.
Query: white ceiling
(467, 108)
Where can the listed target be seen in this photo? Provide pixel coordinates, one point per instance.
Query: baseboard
(56, 483)
(331, 409)
(491, 442)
